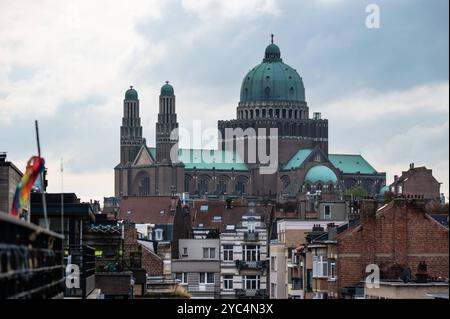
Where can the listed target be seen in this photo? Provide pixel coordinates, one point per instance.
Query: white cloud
(370, 105)
(230, 9)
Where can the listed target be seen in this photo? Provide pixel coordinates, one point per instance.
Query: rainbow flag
(35, 166)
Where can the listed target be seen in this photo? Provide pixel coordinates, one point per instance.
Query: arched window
(202, 186)
(187, 184)
(144, 186)
(257, 113)
(221, 187)
(251, 114)
(264, 113)
(271, 113)
(240, 187)
(267, 92)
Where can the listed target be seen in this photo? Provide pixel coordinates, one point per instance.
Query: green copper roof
(351, 164)
(320, 173)
(131, 94)
(208, 159)
(297, 160)
(167, 90)
(272, 80)
(384, 189)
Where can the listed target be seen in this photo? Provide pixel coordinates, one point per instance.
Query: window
(273, 288)
(203, 186)
(206, 277)
(228, 282)
(251, 253)
(267, 92)
(185, 252)
(209, 253)
(240, 188)
(181, 276)
(251, 282)
(158, 234)
(332, 270)
(204, 208)
(228, 252)
(327, 212)
(221, 187)
(144, 186)
(273, 263)
(217, 218)
(320, 266)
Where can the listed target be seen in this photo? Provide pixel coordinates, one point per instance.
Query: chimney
(368, 208)
(422, 273)
(411, 166)
(395, 178)
(2, 157)
(332, 231)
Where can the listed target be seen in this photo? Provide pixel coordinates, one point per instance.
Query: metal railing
(251, 293)
(84, 258)
(257, 265)
(31, 261)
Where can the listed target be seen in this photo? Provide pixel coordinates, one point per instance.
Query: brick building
(397, 238)
(417, 181)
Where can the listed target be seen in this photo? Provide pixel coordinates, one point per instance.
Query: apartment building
(286, 280)
(244, 263)
(198, 267)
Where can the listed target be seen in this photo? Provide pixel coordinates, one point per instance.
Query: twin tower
(131, 140)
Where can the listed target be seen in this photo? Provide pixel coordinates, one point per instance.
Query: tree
(357, 193)
(213, 234)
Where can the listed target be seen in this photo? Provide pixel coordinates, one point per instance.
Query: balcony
(84, 258)
(251, 293)
(31, 264)
(251, 237)
(256, 265)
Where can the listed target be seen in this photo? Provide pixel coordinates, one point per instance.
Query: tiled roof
(351, 164)
(228, 216)
(298, 159)
(148, 210)
(208, 159)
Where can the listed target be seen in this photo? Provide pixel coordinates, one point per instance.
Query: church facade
(272, 96)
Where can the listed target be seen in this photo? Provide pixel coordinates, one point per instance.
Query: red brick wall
(400, 233)
(151, 263)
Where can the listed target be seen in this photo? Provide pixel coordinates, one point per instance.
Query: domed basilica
(272, 96)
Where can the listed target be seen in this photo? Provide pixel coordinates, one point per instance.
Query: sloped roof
(148, 210)
(351, 164)
(208, 159)
(298, 159)
(228, 216)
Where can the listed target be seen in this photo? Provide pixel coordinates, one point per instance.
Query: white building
(244, 264)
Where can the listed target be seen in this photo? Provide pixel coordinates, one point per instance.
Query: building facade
(244, 259)
(198, 267)
(272, 97)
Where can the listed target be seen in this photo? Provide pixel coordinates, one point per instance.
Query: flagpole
(62, 200)
(44, 204)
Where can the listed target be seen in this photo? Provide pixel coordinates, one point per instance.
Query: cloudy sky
(68, 63)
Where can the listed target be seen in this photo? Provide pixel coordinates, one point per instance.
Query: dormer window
(158, 234)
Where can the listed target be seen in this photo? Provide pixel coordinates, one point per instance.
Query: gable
(143, 158)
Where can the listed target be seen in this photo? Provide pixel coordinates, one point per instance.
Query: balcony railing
(257, 265)
(84, 258)
(31, 261)
(251, 293)
(251, 237)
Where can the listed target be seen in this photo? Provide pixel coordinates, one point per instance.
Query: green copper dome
(272, 80)
(167, 90)
(320, 174)
(131, 94)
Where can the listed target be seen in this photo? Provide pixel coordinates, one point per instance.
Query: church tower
(131, 130)
(167, 122)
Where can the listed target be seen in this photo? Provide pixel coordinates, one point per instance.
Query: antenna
(44, 204)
